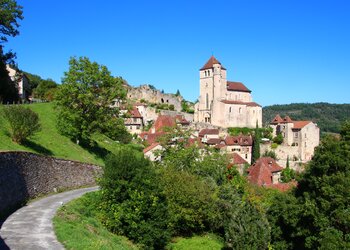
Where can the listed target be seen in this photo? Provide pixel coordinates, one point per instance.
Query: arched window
(208, 72)
(240, 110)
(230, 110)
(207, 100)
(205, 72)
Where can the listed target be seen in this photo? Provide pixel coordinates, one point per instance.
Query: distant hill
(328, 116)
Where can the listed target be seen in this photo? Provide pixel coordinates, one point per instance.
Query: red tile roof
(237, 86)
(210, 63)
(213, 141)
(242, 140)
(182, 120)
(277, 119)
(287, 119)
(152, 146)
(135, 113)
(261, 171)
(283, 187)
(164, 121)
(237, 159)
(300, 124)
(151, 138)
(208, 131)
(251, 104)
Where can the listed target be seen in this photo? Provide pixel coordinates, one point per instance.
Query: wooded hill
(327, 116)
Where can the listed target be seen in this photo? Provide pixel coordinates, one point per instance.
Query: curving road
(31, 226)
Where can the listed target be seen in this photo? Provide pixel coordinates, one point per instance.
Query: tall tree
(84, 102)
(10, 14)
(256, 145)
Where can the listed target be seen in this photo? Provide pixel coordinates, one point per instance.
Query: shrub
(132, 202)
(278, 139)
(23, 122)
(271, 154)
(274, 145)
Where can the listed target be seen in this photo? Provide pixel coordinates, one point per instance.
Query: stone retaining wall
(25, 175)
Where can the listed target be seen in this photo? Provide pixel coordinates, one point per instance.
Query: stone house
(300, 138)
(22, 82)
(151, 151)
(264, 172)
(224, 103)
(134, 121)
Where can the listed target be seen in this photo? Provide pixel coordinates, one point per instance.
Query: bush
(278, 139)
(271, 154)
(132, 201)
(23, 122)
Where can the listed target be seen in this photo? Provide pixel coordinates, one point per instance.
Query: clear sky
(284, 51)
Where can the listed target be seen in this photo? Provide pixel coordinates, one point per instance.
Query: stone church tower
(223, 103)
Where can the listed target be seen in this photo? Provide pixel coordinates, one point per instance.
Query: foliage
(245, 227)
(10, 14)
(328, 117)
(186, 107)
(177, 93)
(132, 201)
(278, 139)
(271, 154)
(316, 215)
(23, 122)
(197, 242)
(77, 226)
(238, 131)
(288, 174)
(84, 99)
(256, 145)
(42, 91)
(191, 203)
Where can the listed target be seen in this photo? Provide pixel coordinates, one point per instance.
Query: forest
(328, 117)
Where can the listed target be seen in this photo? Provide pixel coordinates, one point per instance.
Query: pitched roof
(151, 138)
(250, 104)
(152, 146)
(261, 171)
(300, 124)
(277, 119)
(164, 121)
(213, 141)
(208, 131)
(287, 119)
(135, 113)
(237, 159)
(242, 140)
(237, 86)
(210, 63)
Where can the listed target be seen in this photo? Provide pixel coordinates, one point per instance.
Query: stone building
(224, 103)
(134, 121)
(300, 137)
(22, 82)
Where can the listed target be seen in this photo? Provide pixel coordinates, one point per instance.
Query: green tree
(178, 93)
(44, 88)
(23, 122)
(10, 14)
(256, 145)
(84, 101)
(318, 216)
(132, 201)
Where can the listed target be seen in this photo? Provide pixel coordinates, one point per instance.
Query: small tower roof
(287, 119)
(277, 119)
(210, 63)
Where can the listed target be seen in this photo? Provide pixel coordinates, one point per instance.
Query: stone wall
(25, 175)
(154, 96)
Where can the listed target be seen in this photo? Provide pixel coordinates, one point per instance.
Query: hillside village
(222, 104)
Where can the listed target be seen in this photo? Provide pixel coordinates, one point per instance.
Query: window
(240, 110)
(205, 73)
(305, 135)
(230, 110)
(138, 127)
(207, 101)
(305, 144)
(246, 156)
(296, 135)
(208, 72)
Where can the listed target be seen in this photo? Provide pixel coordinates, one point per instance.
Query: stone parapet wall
(25, 175)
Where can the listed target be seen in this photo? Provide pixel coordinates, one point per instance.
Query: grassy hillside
(328, 116)
(49, 142)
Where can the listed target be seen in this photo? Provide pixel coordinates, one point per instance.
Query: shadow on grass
(95, 149)
(37, 148)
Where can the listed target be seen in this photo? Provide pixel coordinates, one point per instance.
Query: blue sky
(284, 51)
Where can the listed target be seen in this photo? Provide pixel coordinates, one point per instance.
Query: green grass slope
(49, 142)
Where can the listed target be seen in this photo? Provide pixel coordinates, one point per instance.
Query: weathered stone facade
(25, 175)
(223, 103)
(151, 95)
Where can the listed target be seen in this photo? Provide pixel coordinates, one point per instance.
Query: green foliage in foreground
(23, 122)
(198, 242)
(317, 215)
(132, 203)
(77, 226)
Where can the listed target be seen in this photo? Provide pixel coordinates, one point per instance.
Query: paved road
(31, 228)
